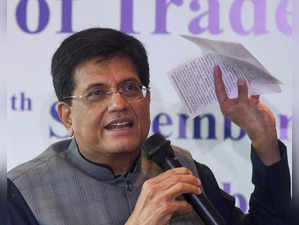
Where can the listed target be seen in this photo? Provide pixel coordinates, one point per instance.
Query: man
(100, 176)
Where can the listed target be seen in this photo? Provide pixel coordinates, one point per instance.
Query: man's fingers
(182, 188)
(160, 194)
(255, 97)
(182, 206)
(177, 171)
(219, 85)
(242, 90)
(175, 179)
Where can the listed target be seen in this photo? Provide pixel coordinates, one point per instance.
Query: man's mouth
(119, 124)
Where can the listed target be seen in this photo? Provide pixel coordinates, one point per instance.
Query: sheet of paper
(194, 82)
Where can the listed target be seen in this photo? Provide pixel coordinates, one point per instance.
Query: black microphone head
(157, 148)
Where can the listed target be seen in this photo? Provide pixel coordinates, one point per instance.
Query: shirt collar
(98, 171)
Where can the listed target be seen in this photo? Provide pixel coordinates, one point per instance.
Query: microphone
(158, 149)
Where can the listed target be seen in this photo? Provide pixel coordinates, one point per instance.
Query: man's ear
(148, 96)
(64, 112)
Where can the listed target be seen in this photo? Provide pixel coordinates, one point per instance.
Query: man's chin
(124, 146)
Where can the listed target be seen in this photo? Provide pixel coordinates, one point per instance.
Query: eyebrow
(128, 80)
(95, 85)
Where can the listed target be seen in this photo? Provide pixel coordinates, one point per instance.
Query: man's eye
(98, 92)
(132, 87)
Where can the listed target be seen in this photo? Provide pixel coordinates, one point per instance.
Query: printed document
(194, 82)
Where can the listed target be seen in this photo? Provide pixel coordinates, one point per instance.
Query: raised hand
(252, 116)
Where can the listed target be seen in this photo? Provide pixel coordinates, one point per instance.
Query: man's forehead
(99, 70)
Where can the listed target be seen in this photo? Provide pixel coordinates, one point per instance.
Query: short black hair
(103, 43)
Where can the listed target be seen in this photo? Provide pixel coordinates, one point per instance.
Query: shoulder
(181, 151)
(201, 168)
(204, 172)
(185, 158)
(26, 169)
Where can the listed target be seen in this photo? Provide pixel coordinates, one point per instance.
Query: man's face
(115, 126)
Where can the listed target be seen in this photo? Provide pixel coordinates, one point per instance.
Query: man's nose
(117, 102)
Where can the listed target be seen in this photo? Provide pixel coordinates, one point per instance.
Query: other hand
(252, 116)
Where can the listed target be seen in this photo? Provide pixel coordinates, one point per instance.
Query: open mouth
(119, 124)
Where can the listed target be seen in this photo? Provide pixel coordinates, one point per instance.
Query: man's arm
(19, 212)
(269, 203)
(271, 198)
(270, 168)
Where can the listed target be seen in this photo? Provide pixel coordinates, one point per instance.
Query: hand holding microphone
(158, 200)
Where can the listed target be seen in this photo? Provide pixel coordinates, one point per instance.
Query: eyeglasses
(131, 91)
